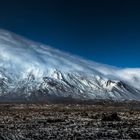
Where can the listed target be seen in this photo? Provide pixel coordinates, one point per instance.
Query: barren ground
(66, 122)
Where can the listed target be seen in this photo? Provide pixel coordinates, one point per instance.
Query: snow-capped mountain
(30, 70)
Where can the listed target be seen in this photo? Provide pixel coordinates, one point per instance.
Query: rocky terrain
(43, 121)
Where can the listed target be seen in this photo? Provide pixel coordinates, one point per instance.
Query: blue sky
(106, 31)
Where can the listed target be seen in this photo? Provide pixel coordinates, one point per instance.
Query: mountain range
(33, 71)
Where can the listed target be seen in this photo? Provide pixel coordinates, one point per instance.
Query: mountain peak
(59, 74)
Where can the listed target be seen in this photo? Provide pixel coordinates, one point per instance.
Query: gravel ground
(68, 122)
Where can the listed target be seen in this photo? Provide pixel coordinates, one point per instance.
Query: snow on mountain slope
(30, 70)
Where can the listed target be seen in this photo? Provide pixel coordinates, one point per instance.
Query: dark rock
(110, 117)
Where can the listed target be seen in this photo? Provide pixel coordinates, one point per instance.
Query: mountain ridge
(29, 69)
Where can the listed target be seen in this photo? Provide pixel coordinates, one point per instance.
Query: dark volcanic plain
(84, 120)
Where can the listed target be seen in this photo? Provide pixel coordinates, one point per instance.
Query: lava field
(69, 122)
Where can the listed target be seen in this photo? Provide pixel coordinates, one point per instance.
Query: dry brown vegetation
(64, 121)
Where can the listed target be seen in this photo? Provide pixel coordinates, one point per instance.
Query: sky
(105, 31)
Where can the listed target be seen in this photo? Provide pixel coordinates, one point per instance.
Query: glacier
(33, 71)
